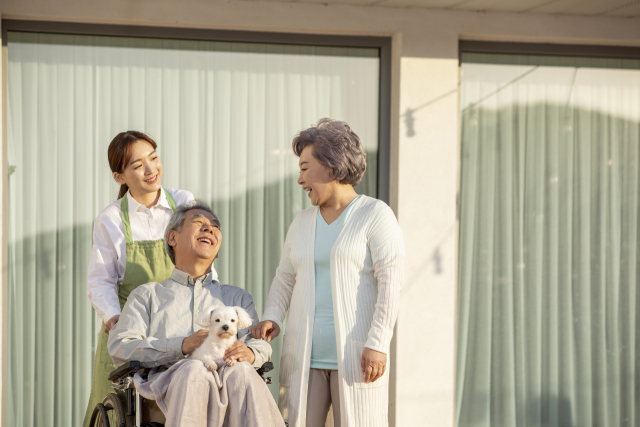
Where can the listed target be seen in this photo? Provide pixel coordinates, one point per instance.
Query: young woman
(128, 247)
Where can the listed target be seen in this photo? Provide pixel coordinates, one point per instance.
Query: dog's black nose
(225, 328)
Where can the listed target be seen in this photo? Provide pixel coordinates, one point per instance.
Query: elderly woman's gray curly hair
(177, 221)
(335, 146)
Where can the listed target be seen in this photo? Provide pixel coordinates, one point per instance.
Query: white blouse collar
(134, 205)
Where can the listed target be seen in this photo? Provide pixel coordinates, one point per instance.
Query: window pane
(548, 260)
(223, 114)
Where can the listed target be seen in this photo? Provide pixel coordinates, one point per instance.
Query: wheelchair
(124, 407)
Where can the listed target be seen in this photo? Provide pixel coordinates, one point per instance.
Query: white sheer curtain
(548, 301)
(223, 114)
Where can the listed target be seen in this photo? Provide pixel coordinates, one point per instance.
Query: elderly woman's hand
(373, 364)
(266, 327)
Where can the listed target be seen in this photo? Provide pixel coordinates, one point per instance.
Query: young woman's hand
(265, 328)
(111, 323)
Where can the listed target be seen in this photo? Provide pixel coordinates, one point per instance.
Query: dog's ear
(244, 320)
(204, 319)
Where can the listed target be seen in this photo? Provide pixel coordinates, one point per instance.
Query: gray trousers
(323, 393)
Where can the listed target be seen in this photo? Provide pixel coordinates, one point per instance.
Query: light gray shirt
(159, 316)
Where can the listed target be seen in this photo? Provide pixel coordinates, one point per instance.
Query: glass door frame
(382, 43)
(557, 49)
(522, 48)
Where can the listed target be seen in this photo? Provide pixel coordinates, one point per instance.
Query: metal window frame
(383, 44)
(551, 49)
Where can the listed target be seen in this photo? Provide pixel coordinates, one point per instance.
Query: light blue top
(324, 354)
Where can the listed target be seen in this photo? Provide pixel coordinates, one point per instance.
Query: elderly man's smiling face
(199, 239)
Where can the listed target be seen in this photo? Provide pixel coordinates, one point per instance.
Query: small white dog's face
(223, 324)
(224, 321)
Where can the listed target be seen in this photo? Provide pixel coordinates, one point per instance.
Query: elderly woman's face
(315, 178)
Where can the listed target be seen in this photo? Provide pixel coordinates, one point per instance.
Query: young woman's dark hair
(119, 152)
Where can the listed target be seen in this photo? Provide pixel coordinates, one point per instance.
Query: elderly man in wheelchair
(157, 332)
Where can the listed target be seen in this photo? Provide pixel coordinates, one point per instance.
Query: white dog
(223, 324)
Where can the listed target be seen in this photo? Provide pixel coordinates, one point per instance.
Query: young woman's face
(143, 172)
(315, 178)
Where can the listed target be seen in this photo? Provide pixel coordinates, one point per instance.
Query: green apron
(147, 261)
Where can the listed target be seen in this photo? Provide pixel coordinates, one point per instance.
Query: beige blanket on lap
(191, 396)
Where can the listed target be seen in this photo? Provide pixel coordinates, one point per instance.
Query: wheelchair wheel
(118, 414)
(111, 412)
(99, 417)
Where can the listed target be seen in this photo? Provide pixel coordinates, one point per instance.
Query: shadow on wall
(433, 263)
(409, 114)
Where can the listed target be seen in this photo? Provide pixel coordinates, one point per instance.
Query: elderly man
(158, 328)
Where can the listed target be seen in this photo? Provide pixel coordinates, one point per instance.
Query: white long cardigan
(367, 264)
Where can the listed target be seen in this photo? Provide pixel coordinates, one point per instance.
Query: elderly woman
(340, 276)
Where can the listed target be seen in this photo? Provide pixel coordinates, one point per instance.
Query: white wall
(425, 165)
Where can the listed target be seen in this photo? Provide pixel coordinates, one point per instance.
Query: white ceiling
(618, 8)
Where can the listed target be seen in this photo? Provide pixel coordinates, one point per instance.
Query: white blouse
(108, 256)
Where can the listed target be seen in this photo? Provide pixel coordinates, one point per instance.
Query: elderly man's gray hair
(177, 221)
(335, 146)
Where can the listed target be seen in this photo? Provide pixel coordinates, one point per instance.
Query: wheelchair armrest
(124, 370)
(268, 366)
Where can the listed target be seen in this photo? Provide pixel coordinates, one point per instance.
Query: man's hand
(111, 323)
(193, 341)
(373, 364)
(265, 328)
(240, 352)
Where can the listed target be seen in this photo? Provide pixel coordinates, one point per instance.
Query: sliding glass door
(549, 247)
(223, 114)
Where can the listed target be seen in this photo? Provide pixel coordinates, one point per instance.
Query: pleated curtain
(223, 114)
(548, 301)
